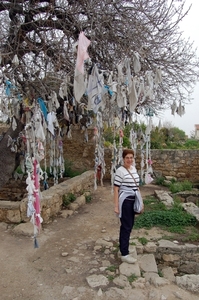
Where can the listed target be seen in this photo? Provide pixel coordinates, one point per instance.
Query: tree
(43, 33)
(38, 46)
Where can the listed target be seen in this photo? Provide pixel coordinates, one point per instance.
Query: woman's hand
(116, 199)
(142, 209)
(116, 210)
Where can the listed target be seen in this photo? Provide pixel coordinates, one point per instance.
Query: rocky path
(77, 259)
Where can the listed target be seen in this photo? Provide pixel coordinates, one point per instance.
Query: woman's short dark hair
(126, 152)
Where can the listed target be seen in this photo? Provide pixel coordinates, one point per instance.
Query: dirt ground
(28, 273)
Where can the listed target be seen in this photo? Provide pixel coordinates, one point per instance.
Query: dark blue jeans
(127, 222)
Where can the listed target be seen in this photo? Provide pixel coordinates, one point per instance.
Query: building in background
(197, 131)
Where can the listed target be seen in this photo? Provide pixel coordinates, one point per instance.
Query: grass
(143, 240)
(112, 268)
(110, 277)
(181, 224)
(177, 187)
(132, 278)
(88, 198)
(160, 273)
(67, 199)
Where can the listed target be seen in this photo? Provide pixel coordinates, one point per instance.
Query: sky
(190, 27)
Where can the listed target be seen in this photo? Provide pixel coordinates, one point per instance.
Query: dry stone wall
(182, 164)
(50, 202)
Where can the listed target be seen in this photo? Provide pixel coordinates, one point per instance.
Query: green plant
(160, 273)
(88, 198)
(160, 180)
(69, 172)
(176, 187)
(176, 229)
(132, 243)
(143, 240)
(167, 218)
(110, 277)
(107, 144)
(192, 235)
(116, 248)
(19, 170)
(111, 268)
(67, 199)
(152, 203)
(132, 278)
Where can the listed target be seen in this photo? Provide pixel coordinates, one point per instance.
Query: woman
(125, 187)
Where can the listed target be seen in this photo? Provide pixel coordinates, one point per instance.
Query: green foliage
(132, 243)
(108, 135)
(152, 204)
(171, 138)
(160, 273)
(157, 139)
(192, 237)
(67, 199)
(19, 170)
(112, 268)
(159, 180)
(110, 277)
(176, 187)
(176, 229)
(191, 144)
(164, 138)
(88, 198)
(168, 237)
(132, 278)
(107, 144)
(126, 142)
(143, 240)
(166, 218)
(69, 172)
(127, 130)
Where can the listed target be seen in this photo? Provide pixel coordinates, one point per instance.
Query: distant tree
(157, 138)
(172, 137)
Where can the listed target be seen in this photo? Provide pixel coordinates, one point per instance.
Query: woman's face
(128, 160)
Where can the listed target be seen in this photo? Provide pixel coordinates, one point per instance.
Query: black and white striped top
(124, 179)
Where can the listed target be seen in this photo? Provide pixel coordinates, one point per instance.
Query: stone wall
(185, 258)
(182, 164)
(51, 200)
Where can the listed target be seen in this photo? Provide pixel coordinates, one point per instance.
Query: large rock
(97, 280)
(164, 197)
(147, 263)
(129, 269)
(189, 282)
(192, 209)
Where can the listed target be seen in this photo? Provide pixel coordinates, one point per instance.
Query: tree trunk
(8, 161)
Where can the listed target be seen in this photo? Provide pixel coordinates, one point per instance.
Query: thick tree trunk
(8, 161)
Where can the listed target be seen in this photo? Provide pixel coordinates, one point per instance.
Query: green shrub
(167, 218)
(159, 180)
(69, 172)
(67, 199)
(132, 278)
(112, 268)
(143, 240)
(176, 187)
(151, 203)
(88, 198)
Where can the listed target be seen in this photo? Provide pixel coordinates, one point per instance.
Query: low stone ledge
(192, 209)
(50, 201)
